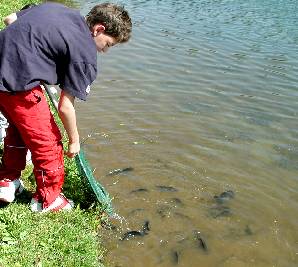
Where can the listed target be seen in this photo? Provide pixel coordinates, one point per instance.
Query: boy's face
(102, 40)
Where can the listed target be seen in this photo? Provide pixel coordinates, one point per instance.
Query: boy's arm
(67, 114)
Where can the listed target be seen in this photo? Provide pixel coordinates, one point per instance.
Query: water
(202, 99)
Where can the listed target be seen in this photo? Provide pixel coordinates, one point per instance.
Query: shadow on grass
(3, 205)
(23, 198)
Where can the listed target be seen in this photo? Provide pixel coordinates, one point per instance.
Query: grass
(68, 239)
(65, 239)
(52, 239)
(7, 7)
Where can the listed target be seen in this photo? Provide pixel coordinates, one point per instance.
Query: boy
(53, 44)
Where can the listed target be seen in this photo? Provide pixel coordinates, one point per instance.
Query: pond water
(201, 101)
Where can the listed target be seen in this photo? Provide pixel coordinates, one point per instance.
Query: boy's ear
(98, 29)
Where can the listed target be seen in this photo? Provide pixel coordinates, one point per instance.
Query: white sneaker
(60, 203)
(8, 189)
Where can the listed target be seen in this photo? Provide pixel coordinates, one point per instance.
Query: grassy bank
(8, 6)
(53, 239)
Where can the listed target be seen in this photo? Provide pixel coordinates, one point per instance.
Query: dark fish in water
(163, 188)
(139, 190)
(175, 256)
(132, 234)
(201, 242)
(224, 196)
(247, 230)
(117, 171)
(220, 211)
(146, 227)
(227, 194)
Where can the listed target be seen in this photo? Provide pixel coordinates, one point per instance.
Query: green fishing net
(99, 191)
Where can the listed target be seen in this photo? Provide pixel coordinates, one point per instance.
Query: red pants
(32, 126)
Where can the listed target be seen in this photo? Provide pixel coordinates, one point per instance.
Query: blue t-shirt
(50, 43)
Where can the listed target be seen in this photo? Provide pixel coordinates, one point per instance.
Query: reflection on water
(202, 101)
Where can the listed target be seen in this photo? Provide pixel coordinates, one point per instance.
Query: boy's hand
(73, 149)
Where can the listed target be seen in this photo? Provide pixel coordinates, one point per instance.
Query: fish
(221, 210)
(248, 230)
(146, 227)
(201, 242)
(224, 196)
(118, 171)
(138, 190)
(131, 234)
(175, 256)
(163, 188)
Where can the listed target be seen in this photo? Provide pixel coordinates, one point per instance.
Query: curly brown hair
(115, 19)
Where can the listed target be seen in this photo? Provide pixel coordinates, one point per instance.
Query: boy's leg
(48, 172)
(13, 162)
(14, 155)
(42, 137)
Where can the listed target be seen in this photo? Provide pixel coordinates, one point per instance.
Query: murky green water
(203, 99)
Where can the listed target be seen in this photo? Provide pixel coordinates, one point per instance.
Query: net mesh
(99, 191)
